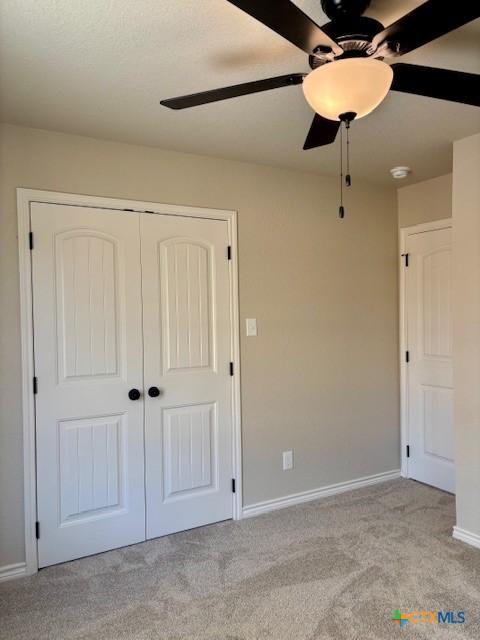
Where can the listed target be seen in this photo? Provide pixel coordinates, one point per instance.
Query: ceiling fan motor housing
(353, 34)
(349, 28)
(335, 9)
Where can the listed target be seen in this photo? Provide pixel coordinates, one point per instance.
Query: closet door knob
(154, 392)
(134, 394)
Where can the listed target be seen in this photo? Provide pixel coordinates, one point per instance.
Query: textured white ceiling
(100, 67)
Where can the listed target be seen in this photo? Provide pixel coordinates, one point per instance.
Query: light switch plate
(251, 326)
(287, 460)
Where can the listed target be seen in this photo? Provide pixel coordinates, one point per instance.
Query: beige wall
(425, 201)
(466, 324)
(321, 377)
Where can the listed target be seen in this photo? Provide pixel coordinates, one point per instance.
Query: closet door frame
(24, 199)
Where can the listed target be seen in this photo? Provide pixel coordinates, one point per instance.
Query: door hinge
(231, 368)
(233, 486)
(30, 239)
(37, 530)
(408, 450)
(229, 252)
(406, 256)
(35, 385)
(407, 356)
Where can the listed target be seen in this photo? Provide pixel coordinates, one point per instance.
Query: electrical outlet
(287, 460)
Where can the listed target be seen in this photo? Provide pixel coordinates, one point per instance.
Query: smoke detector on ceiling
(399, 173)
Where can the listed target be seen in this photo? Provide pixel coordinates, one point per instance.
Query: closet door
(187, 340)
(88, 357)
(430, 368)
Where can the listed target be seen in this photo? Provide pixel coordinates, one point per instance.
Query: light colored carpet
(332, 569)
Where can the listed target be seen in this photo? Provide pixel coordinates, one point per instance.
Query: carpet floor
(333, 569)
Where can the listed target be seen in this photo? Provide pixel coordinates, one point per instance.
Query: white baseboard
(466, 536)
(305, 496)
(10, 571)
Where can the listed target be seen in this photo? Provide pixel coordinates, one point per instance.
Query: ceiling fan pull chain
(341, 210)
(348, 177)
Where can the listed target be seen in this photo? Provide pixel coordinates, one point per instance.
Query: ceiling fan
(348, 77)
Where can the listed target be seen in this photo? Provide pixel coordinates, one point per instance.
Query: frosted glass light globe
(354, 84)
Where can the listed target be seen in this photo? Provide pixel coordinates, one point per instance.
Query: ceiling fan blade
(214, 95)
(444, 84)
(286, 19)
(322, 132)
(427, 22)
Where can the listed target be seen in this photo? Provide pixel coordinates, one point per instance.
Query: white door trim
(405, 232)
(24, 198)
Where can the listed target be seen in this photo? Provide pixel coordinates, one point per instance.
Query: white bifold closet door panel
(88, 355)
(129, 301)
(430, 369)
(187, 342)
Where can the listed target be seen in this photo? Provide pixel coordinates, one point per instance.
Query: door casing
(24, 198)
(405, 232)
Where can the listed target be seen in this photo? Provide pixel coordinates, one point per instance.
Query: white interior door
(187, 340)
(430, 370)
(88, 355)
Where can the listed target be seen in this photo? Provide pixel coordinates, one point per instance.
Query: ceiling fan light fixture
(355, 85)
